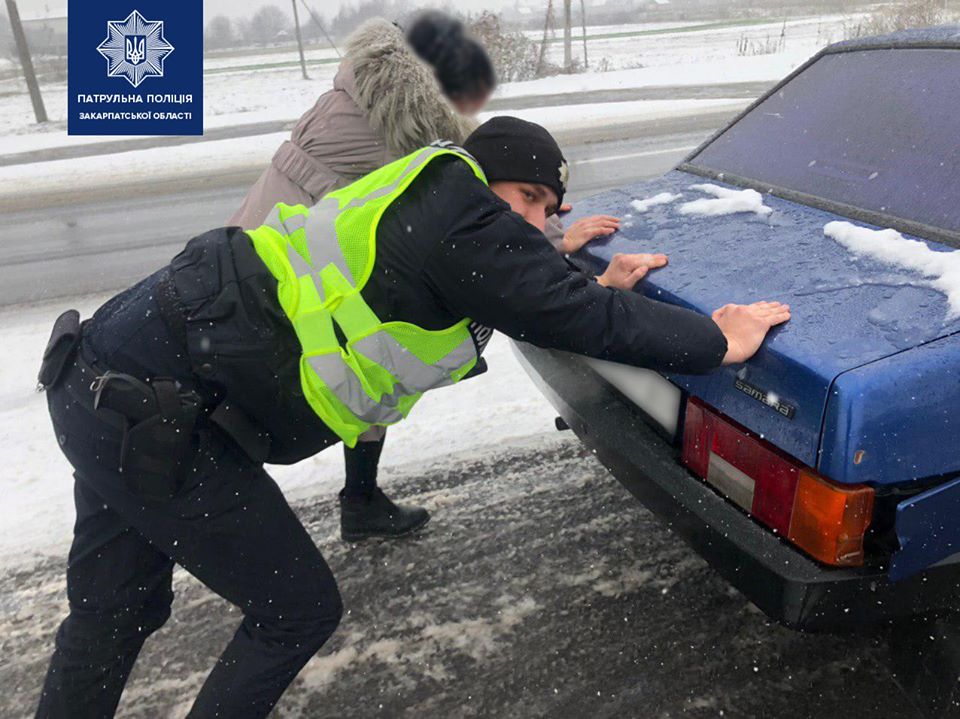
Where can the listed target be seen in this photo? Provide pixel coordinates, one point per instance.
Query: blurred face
(533, 202)
(470, 105)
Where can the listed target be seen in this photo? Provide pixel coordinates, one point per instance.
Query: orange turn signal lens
(829, 520)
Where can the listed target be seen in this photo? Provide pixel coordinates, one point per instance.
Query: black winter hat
(515, 150)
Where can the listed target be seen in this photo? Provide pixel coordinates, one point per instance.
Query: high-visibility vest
(322, 257)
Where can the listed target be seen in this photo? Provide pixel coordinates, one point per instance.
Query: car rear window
(875, 129)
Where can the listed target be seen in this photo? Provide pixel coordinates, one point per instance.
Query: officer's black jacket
(447, 248)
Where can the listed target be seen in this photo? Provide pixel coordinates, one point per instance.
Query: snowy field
(712, 44)
(699, 57)
(36, 515)
(593, 30)
(231, 61)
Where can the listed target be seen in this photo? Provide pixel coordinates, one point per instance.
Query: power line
(313, 16)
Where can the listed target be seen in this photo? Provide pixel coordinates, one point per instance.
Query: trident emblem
(135, 49)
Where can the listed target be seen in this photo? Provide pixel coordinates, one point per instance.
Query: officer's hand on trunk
(745, 326)
(586, 229)
(625, 271)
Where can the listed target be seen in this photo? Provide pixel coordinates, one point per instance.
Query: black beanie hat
(515, 150)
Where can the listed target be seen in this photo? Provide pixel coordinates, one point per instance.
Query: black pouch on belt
(159, 438)
(60, 348)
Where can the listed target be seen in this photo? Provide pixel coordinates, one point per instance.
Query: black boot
(365, 511)
(375, 515)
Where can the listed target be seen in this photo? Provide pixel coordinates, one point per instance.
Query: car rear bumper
(788, 586)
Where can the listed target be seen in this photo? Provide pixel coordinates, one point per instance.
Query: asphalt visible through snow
(540, 589)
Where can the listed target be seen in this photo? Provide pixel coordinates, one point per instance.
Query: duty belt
(163, 407)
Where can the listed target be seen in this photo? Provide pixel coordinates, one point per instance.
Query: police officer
(273, 344)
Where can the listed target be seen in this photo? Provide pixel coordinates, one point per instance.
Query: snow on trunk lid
(845, 314)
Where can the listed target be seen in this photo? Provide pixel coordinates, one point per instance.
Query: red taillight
(824, 519)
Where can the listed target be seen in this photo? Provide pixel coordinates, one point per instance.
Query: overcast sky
(239, 8)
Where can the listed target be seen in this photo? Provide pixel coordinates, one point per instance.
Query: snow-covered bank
(119, 169)
(561, 118)
(245, 153)
(36, 515)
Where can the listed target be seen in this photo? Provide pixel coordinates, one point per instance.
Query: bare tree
(266, 24)
(901, 16)
(219, 33)
(352, 16)
(513, 54)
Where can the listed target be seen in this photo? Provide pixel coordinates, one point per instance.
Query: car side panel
(896, 419)
(928, 530)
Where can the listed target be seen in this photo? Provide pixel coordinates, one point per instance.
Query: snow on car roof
(941, 35)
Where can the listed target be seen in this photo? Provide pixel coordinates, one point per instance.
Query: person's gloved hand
(745, 327)
(625, 271)
(586, 229)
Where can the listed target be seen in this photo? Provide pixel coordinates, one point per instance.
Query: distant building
(46, 36)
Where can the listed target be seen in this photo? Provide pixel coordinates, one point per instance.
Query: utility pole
(547, 25)
(25, 62)
(567, 40)
(296, 25)
(583, 22)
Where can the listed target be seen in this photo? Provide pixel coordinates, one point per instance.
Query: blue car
(822, 477)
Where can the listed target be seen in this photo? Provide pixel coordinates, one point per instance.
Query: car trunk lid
(847, 312)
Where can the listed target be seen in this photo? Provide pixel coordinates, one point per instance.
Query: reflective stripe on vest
(355, 370)
(415, 376)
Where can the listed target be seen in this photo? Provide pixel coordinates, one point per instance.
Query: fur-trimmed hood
(397, 91)
(385, 103)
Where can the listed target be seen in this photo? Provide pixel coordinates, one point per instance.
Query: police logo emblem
(135, 48)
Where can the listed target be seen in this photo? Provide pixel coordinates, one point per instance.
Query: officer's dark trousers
(229, 526)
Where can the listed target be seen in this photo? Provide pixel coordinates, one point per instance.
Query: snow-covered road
(540, 589)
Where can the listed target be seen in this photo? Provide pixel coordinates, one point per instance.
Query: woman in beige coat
(389, 97)
(394, 92)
